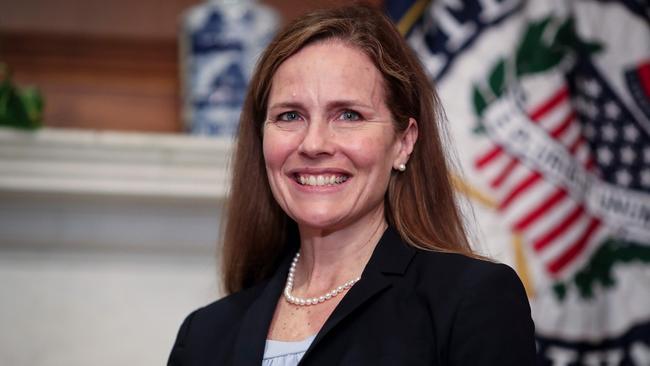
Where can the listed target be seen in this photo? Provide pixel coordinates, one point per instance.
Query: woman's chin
(319, 220)
(331, 216)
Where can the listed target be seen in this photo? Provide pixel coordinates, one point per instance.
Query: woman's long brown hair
(420, 202)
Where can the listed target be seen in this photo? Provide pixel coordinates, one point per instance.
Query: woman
(343, 241)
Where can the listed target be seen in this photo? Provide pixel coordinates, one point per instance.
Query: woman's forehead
(325, 70)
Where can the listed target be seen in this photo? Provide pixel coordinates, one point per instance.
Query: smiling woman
(334, 251)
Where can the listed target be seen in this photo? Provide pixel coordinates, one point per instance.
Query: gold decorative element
(521, 265)
(411, 16)
(472, 193)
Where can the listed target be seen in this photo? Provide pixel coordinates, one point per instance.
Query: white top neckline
(275, 348)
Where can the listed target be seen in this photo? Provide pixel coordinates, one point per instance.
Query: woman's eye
(350, 116)
(289, 116)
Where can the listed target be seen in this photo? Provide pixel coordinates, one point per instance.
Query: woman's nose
(317, 140)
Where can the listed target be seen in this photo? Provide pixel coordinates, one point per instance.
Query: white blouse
(280, 353)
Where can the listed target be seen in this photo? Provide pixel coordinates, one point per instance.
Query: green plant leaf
(19, 108)
(479, 101)
(534, 54)
(497, 78)
(568, 38)
(599, 269)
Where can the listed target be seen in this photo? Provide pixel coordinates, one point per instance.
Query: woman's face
(329, 141)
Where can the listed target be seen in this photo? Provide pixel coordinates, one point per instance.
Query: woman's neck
(330, 258)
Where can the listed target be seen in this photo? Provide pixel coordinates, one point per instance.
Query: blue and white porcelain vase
(221, 41)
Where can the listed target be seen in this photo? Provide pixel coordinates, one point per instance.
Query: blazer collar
(391, 257)
(251, 339)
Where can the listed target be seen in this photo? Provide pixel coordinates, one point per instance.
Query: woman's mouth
(320, 180)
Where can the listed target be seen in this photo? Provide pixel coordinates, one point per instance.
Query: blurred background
(116, 126)
(109, 65)
(109, 213)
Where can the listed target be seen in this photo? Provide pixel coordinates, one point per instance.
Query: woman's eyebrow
(346, 103)
(335, 104)
(290, 105)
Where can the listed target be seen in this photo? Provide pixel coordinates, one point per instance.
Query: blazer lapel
(391, 256)
(251, 340)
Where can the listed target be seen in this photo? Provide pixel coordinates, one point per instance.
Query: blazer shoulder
(484, 314)
(461, 269)
(206, 327)
(222, 315)
(462, 277)
(228, 308)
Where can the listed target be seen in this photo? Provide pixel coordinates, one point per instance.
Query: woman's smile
(320, 180)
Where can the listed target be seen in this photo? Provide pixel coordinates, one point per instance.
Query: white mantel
(54, 161)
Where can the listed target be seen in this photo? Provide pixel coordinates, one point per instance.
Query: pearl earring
(401, 167)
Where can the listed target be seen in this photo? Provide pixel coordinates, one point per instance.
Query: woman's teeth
(321, 180)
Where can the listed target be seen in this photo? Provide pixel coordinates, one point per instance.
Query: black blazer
(411, 307)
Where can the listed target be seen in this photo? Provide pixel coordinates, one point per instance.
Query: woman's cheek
(366, 152)
(274, 150)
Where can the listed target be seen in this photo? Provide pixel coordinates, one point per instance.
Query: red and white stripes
(555, 225)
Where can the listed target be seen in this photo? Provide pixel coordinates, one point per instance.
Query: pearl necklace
(314, 300)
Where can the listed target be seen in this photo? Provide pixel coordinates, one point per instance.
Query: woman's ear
(407, 139)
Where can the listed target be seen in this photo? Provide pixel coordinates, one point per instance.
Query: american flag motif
(620, 143)
(554, 224)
